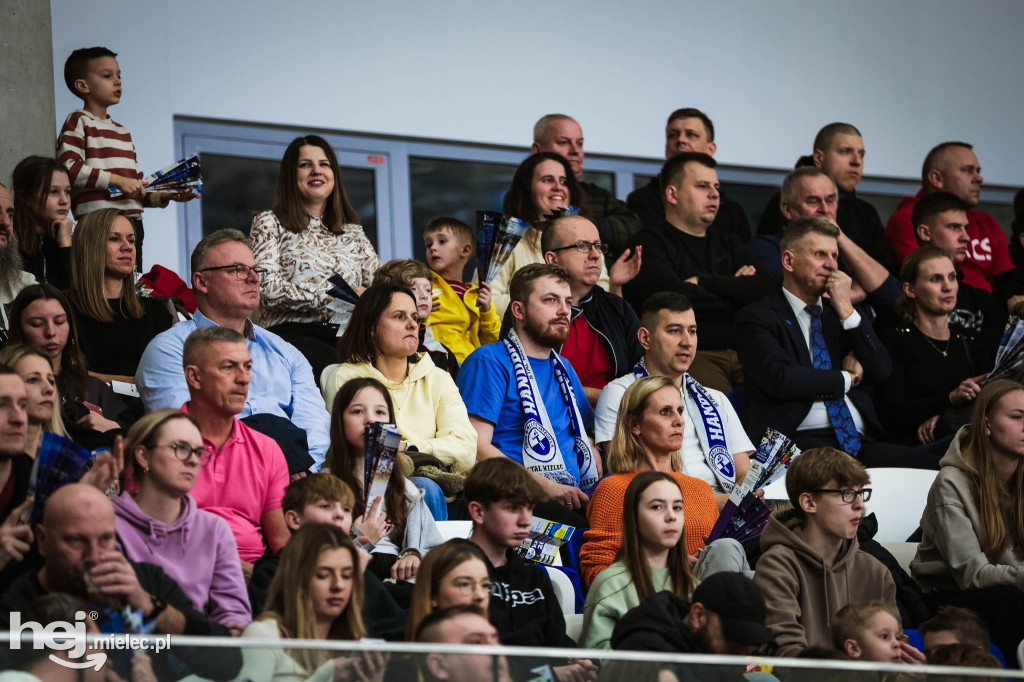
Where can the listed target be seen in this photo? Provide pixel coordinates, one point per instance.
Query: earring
(988, 432)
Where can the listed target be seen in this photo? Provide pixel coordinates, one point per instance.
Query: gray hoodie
(950, 555)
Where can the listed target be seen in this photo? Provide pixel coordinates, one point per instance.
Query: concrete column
(27, 120)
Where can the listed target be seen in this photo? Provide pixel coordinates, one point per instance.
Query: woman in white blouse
(311, 234)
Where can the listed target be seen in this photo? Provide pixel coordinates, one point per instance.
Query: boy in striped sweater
(97, 151)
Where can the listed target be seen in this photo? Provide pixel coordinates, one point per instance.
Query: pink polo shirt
(242, 480)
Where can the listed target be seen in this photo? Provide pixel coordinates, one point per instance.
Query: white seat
(563, 590)
(455, 529)
(903, 552)
(574, 626)
(1020, 652)
(898, 498)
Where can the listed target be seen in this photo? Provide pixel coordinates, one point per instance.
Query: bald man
(953, 167)
(615, 221)
(76, 541)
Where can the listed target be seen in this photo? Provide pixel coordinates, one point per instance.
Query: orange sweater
(604, 512)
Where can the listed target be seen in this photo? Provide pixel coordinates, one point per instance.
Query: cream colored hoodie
(429, 411)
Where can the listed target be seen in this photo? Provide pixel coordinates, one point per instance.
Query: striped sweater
(92, 150)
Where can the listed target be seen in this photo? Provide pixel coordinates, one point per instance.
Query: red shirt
(589, 354)
(987, 256)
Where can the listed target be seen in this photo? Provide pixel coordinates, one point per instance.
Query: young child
(465, 319)
(323, 498)
(415, 276)
(97, 151)
(953, 625)
(406, 530)
(870, 631)
(42, 204)
(811, 565)
(652, 557)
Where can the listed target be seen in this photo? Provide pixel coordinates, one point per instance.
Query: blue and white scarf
(540, 446)
(703, 412)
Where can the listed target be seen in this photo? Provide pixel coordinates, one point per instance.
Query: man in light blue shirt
(227, 289)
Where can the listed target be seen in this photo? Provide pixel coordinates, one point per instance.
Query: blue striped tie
(838, 412)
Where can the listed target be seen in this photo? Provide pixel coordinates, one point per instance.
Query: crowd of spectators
(572, 389)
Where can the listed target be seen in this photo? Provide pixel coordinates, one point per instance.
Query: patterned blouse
(298, 265)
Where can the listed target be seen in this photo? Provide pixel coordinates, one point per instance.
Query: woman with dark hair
(542, 184)
(42, 205)
(380, 343)
(311, 234)
(972, 546)
(935, 375)
(652, 557)
(41, 317)
(114, 323)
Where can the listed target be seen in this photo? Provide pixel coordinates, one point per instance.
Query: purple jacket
(197, 550)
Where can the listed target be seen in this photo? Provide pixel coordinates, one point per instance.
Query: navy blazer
(780, 382)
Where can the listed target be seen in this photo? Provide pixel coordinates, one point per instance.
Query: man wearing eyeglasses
(227, 288)
(811, 564)
(602, 342)
(713, 268)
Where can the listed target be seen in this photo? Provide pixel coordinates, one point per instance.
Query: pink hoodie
(197, 550)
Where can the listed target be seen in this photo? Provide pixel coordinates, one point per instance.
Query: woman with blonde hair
(114, 323)
(972, 546)
(41, 388)
(317, 593)
(648, 437)
(158, 521)
(453, 573)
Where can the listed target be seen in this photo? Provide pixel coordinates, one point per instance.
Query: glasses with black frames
(183, 451)
(848, 494)
(241, 271)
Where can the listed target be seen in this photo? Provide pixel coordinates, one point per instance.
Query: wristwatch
(158, 607)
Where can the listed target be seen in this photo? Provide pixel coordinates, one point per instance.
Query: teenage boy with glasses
(811, 564)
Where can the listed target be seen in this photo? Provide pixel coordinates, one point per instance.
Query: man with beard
(527, 403)
(13, 278)
(726, 616)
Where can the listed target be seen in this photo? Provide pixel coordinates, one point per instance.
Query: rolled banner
(382, 442)
(486, 222)
(1010, 355)
(510, 231)
(59, 461)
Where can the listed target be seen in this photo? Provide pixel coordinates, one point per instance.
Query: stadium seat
(898, 498)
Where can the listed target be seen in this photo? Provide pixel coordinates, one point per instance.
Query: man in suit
(805, 357)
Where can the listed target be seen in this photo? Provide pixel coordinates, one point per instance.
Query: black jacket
(780, 380)
(615, 222)
(612, 318)
(669, 258)
(646, 202)
(222, 666)
(857, 218)
(657, 625)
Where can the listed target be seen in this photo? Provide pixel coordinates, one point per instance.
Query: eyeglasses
(183, 450)
(584, 247)
(241, 271)
(848, 494)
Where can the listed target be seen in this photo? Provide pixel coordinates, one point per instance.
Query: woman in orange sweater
(648, 437)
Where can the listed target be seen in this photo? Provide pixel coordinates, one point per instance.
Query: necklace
(941, 351)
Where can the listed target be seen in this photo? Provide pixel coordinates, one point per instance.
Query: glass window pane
(641, 180)
(603, 179)
(456, 189)
(753, 199)
(236, 188)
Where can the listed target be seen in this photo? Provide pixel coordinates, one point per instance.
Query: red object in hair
(166, 282)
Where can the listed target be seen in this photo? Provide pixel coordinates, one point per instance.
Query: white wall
(909, 73)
